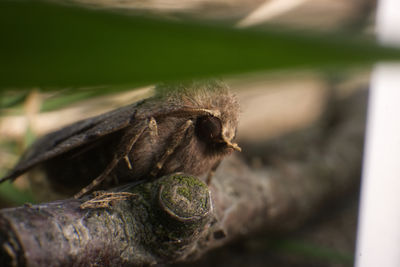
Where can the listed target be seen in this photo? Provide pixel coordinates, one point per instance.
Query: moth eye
(209, 128)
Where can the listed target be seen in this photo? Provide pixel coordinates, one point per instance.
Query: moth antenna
(183, 112)
(204, 111)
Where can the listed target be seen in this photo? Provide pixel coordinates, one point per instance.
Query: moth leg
(177, 138)
(153, 130)
(128, 162)
(105, 199)
(152, 126)
(212, 172)
(127, 141)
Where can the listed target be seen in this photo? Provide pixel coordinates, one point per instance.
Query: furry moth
(183, 128)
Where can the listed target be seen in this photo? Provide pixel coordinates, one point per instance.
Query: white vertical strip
(378, 241)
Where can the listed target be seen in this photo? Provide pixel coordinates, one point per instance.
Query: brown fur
(75, 155)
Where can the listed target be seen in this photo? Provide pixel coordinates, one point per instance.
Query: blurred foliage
(55, 46)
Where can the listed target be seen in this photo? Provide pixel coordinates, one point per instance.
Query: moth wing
(73, 136)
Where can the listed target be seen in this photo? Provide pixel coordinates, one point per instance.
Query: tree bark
(273, 186)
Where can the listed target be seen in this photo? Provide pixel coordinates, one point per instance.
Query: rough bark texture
(272, 186)
(148, 223)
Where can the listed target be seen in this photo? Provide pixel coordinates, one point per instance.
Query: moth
(186, 127)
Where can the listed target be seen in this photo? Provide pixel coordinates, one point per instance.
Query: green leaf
(50, 45)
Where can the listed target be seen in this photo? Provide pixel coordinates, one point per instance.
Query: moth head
(213, 130)
(216, 110)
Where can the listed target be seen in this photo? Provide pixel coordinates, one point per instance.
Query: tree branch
(272, 186)
(149, 223)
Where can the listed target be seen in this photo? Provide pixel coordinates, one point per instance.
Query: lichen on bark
(156, 224)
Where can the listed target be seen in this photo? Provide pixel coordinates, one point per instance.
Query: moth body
(188, 128)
